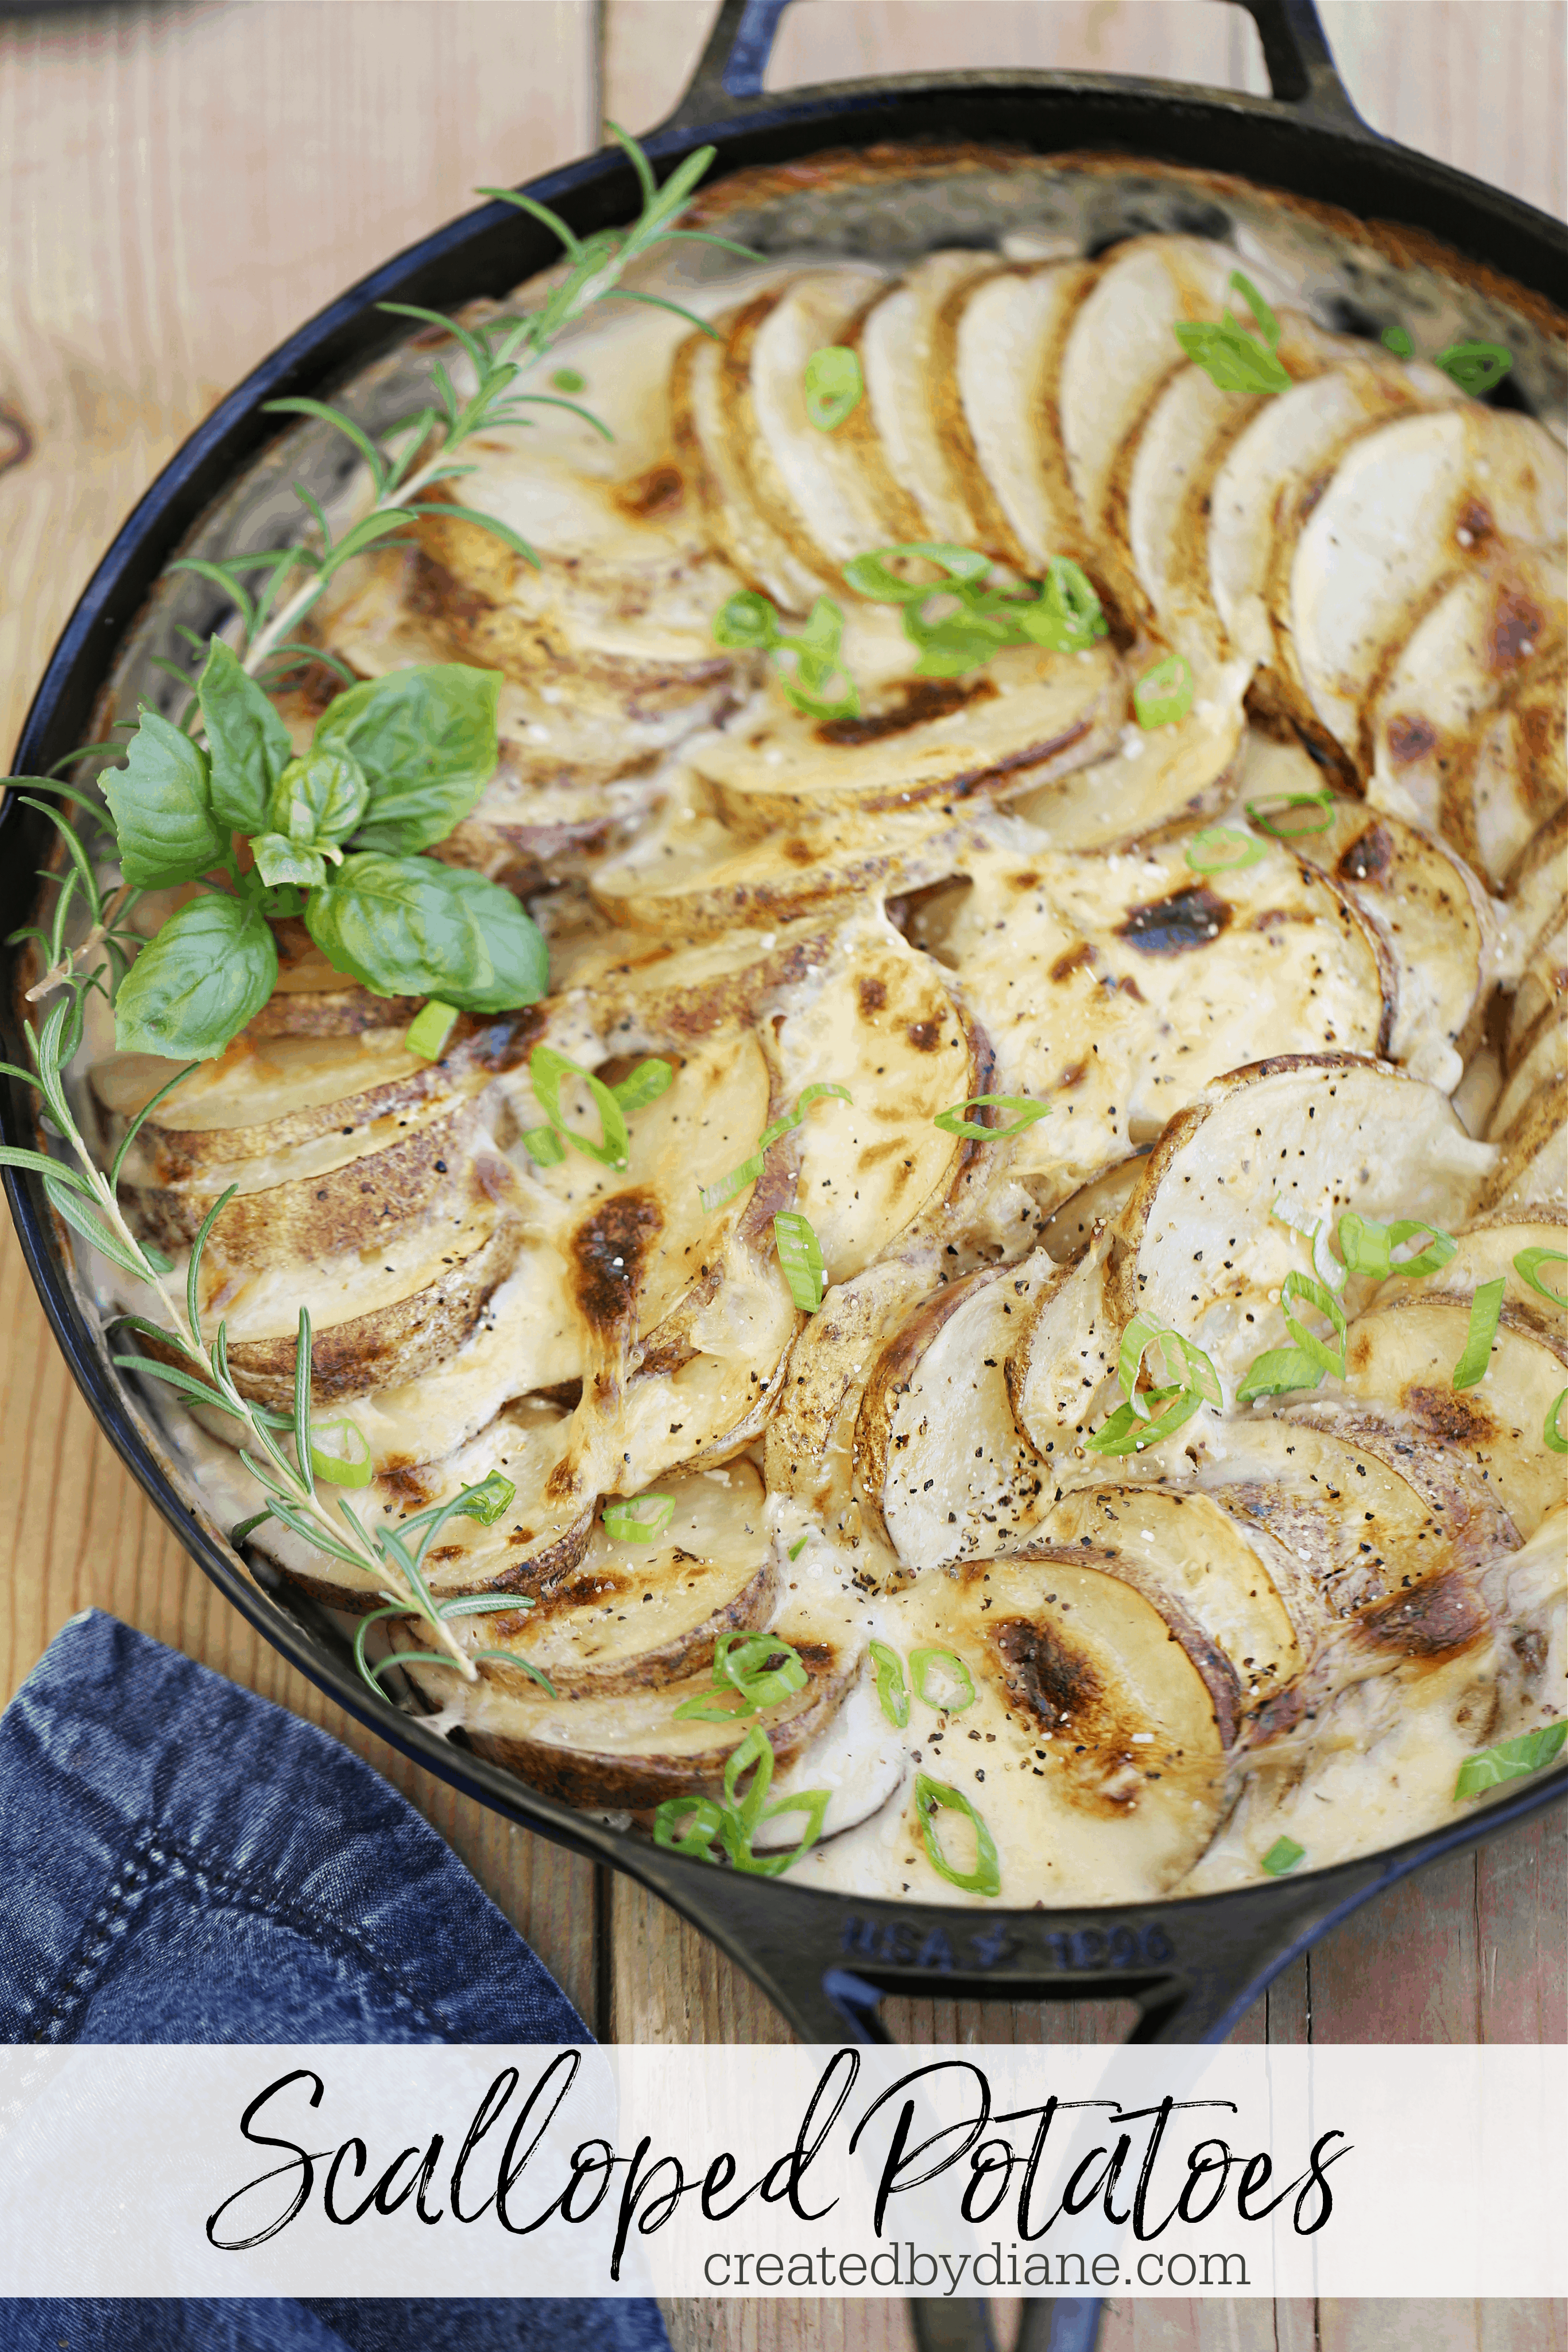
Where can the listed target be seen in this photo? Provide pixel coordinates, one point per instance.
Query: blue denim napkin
(181, 1861)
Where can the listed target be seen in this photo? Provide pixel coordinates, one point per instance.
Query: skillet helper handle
(1302, 75)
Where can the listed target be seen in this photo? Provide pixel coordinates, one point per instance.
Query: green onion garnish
(743, 1816)
(932, 1797)
(1485, 1308)
(427, 1033)
(1314, 1294)
(1476, 367)
(1163, 693)
(1526, 1263)
(645, 1084)
(954, 1122)
(1276, 1372)
(972, 621)
(761, 1666)
(929, 1670)
(1143, 1333)
(1397, 341)
(800, 1256)
(1283, 1856)
(1552, 1434)
(833, 386)
(1325, 1265)
(1133, 1426)
(569, 380)
(341, 1453)
(1224, 849)
(1511, 1760)
(749, 623)
(688, 1825)
(546, 1070)
(797, 1548)
(873, 576)
(1273, 815)
(892, 1691)
(640, 1519)
(486, 1502)
(1232, 357)
(714, 1196)
(1368, 1247)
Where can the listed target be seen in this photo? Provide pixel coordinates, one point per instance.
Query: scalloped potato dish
(1013, 1286)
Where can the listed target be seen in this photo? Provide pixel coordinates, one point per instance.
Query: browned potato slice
(1191, 1557)
(1402, 1357)
(1534, 1168)
(1542, 1061)
(1542, 986)
(1513, 774)
(1437, 922)
(1027, 717)
(906, 350)
(1534, 884)
(1154, 780)
(632, 1615)
(809, 1448)
(942, 1461)
(702, 388)
(1105, 1771)
(625, 1748)
(1008, 330)
(1347, 1509)
(1069, 1231)
(1060, 1368)
(647, 993)
(1197, 1246)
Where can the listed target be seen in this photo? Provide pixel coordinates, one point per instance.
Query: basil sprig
(957, 622)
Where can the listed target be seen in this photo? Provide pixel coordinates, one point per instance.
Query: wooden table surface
(178, 188)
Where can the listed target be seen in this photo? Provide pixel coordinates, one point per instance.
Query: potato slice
(906, 352)
(1533, 886)
(1401, 1356)
(1543, 1062)
(1495, 622)
(1070, 1230)
(942, 1461)
(1543, 985)
(1269, 475)
(1488, 1250)
(630, 1616)
(1028, 716)
(830, 493)
(1434, 918)
(1513, 775)
(1010, 329)
(1197, 1246)
(1120, 352)
(811, 1439)
(1346, 1508)
(1534, 1168)
(626, 1747)
(1155, 779)
(1189, 1556)
(1409, 507)
(1060, 1374)
(883, 1024)
(859, 1760)
(711, 454)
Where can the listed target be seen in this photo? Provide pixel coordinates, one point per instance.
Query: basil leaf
(160, 802)
(248, 741)
(278, 860)
(412, 926)
(425, 739)
(317, 800)
(197, 981)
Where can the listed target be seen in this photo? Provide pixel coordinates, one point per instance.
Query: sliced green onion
(1476, 367)
(872, 575)
(927, 1670)
(1132, 1429)
(544, 1145)
(954, 1122)
(1276, 1372)
(748, 623)
(341, 1453)
(932, 1797)
(1485, 1308)
(892, 1691)
(1552, 1434)
(546, 1070)
(1283, 1856)
(1163, 693)
(757, 1749)
(639, 1521)
(1368, 1247)
(567, 380)
(714, 1196)
(833, 386)
(817, 664)
(1067, 615)
(812, 1802)
(710, 1708)
(800, 1256)
(1142, 1333)
(1268, 324)
(1512, 1759)
(1272, 813)
(427, 1033)
(1224, 849)
(797, 1548)
(1230, 357)
(703, 1818)
(761, 1666)
(1526, 1264)
(1397, 341)
(643, 1085)
(486, 1502)
(1314, 1294)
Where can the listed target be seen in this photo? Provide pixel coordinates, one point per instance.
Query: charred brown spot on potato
(1434, 1619)
(925, 1036)
(1410, 737)
(798, 853)
(1055, 1683)
(1368, 857)
(873, 994)
(920, 701)
(1186, 920)
(1072, 959)
(657, 492)
(1448, 1414)
(1474, 526)
(609, 1250)
(1513, 630)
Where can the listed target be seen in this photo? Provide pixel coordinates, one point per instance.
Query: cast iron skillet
(1192, 1968)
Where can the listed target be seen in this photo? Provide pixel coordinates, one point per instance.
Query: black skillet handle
(1302, 75)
